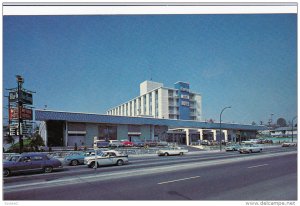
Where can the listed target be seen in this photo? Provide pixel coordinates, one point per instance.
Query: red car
(126, 143)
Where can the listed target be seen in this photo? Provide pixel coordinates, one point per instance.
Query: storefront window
(107, 132)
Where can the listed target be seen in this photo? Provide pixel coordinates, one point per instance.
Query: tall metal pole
(221, 126)
(9, 120)
(293, 128)
(20, 82)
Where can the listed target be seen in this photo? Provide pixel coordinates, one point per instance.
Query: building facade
(157, 101)
(68, 129)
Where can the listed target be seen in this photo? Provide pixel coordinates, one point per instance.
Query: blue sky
(92, 63)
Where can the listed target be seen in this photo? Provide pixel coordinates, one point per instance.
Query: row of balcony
(177, 97)
(192, 106)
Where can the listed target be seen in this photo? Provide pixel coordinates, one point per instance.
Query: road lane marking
(130, 173)
(188, 178)
(258, 166)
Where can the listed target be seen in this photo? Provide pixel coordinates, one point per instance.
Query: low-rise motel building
(159, 113)
(60, 129)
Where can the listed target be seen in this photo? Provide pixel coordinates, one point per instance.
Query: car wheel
(181, 153)
(250, 151)
(120, 162)
(48, 169)
(166, 154)
(92, 165)
(6, 172)
(74, 162)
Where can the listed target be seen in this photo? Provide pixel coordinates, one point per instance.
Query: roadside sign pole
(96, 149)
(20, 81)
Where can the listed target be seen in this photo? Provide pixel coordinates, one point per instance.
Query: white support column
(214, 134)
(201, 133)
(225, 135)
(129, 109)
(187, 135)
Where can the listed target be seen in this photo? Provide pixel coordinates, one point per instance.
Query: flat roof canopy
(46, 115)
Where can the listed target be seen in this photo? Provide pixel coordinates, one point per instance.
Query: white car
(108, 157)
(232, 147)
(172, 151)
(115, 143)
(289, 144)
(249, 148)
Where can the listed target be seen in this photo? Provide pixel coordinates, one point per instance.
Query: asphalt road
(271, 175)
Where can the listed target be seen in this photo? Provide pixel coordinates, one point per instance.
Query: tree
(10, 139)
(281, 122)
(36, 140)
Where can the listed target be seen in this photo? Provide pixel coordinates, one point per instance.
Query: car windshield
(13, 158)
(99, 153)
(76, 153)
(89, 153)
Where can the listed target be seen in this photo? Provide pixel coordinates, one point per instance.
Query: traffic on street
(197, 175)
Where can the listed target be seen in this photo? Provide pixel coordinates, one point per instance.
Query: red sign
(26, 114)
(13, 113)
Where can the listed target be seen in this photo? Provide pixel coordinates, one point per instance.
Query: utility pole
(19, 111)
(20, 81)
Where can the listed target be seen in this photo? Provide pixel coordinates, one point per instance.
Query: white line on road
(131, 173)
(188, 178)
(258, 166)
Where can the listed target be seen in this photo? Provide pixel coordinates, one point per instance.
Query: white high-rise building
(158, 101)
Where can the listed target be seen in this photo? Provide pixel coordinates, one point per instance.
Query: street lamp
(293, 128)
(221, 126)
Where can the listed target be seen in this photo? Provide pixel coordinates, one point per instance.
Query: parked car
(251, 141)
(126, 143)
(162, 143)
(101, 143)
(151, 143)
(31, 162)
(115, 143)
(232, 147)
(204, 142)
(76, 158)
(13, 158)
(289, 144)
(249, 148)
(108, 157)
(172, 151)
(138, 143)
